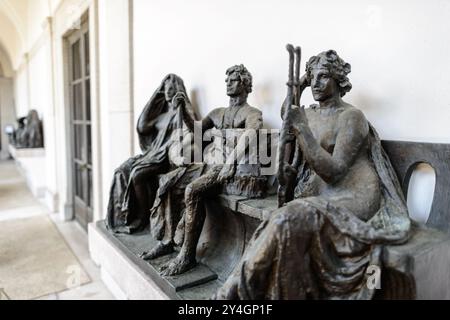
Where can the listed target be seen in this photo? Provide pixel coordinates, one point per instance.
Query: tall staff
(289, 149)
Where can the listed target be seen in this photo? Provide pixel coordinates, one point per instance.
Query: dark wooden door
(81, 127)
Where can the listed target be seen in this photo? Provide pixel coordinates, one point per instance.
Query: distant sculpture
(135, 182)
(29, 134)
(239, 115)
(34, 134)
(19, 133)
(348, 201)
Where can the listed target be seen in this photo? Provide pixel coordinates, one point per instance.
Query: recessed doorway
(81, 125)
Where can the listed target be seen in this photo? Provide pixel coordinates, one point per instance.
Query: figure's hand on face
(179, 100)
(305, 82)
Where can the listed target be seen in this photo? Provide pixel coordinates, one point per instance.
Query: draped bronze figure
(34, 131)
(136, 181)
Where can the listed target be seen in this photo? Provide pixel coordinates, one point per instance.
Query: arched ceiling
(5, 63)
(13, 14)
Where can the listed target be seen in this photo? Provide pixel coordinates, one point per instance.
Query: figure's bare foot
(179, 265)
(161, 249)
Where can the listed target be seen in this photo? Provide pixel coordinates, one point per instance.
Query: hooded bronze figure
(135, 182)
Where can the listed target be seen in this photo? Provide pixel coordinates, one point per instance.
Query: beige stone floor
(17, 202)
(13, 191)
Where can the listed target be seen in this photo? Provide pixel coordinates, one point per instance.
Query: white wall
(41, 99)
(117, 127)
(40, 79)
(37, 11)
(21, 92)
(397, 50)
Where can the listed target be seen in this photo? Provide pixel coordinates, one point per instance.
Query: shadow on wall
(194, 96)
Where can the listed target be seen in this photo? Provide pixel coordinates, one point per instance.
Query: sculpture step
(175, 287)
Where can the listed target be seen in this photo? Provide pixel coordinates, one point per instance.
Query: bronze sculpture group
(29, 132)
(339, 197)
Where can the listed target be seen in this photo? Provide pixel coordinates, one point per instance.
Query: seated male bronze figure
(239, 115)
(168, 211)
(348, 203)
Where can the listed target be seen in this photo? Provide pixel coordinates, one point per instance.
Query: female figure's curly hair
(244, 75)
(337, 68)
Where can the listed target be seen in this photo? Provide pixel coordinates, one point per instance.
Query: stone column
(116, 87)
(7, 112)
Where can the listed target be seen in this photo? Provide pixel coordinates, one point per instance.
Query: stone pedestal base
(26, 153)
(418, 269)
(122, 277)
(129, 277)
(31, 163)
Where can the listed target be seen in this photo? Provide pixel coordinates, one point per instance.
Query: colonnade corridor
(40, 256)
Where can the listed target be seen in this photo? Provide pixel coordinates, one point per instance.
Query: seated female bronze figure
(136, 181)
(348, 203)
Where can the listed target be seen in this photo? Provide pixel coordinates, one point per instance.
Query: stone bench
(419, 269)
(423, 264)
(407, 273)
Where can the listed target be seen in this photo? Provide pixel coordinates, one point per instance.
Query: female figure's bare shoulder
(352, 117)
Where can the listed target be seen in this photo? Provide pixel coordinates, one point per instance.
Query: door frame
(85, 202)
(63, 31)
